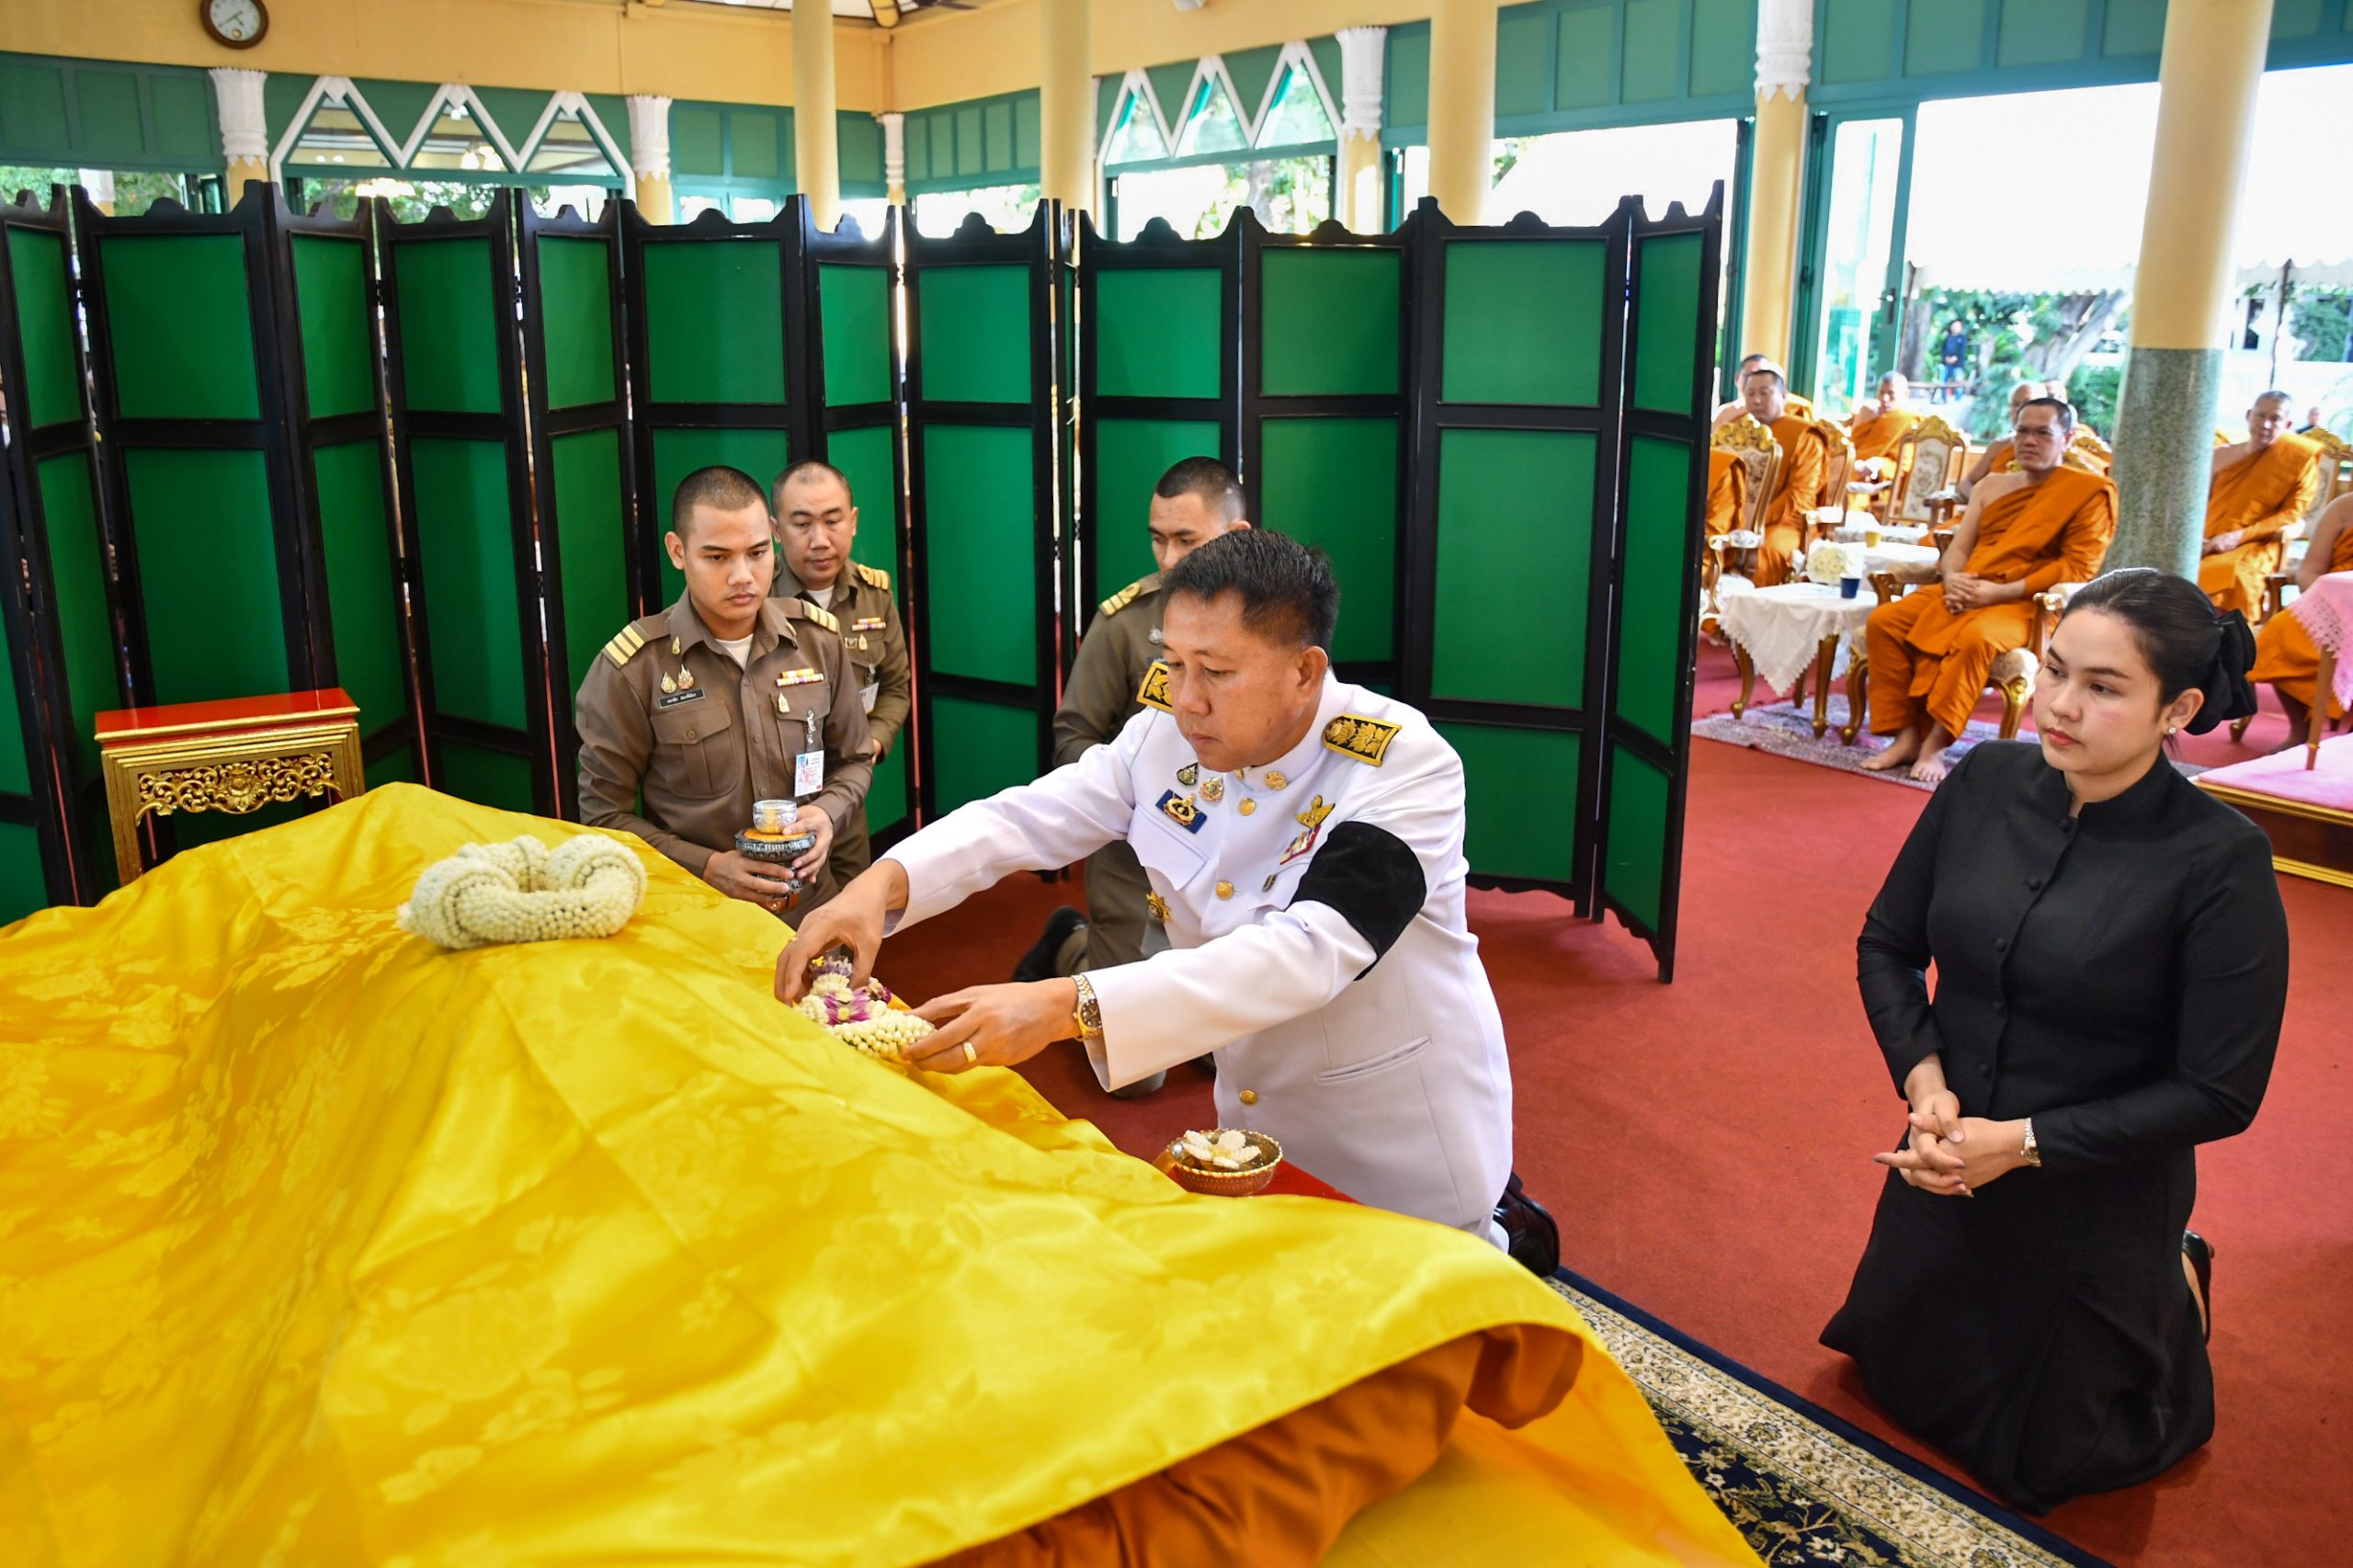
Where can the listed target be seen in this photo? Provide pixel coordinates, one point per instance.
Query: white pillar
(100, 183)
(894, 155)
(245, 128)
(1361, 50)
(649, 156)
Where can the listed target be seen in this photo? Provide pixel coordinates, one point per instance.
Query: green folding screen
(982, 432)
(1158, 382)
(462, 460)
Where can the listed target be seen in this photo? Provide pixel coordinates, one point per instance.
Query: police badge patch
(1154, 692)
(1181, 809)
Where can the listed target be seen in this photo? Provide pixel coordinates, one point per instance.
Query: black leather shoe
(1533, 1237)
(2201, 1254)
(1038, 964)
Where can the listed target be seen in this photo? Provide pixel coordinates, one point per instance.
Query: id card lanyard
(809, 767)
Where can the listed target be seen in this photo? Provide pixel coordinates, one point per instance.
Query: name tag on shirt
(808, 773)
(673, 698)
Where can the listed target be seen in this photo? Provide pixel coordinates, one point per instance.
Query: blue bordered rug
(1805, 1488)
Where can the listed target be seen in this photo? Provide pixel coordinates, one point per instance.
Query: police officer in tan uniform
(1195, 502)
(726, 697)
(816, 520)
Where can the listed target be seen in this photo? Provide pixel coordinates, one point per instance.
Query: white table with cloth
(1783, 633)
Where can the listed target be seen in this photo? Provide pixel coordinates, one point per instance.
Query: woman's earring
(2171, 728)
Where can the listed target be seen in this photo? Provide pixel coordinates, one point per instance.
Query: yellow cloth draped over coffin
(321, 1245)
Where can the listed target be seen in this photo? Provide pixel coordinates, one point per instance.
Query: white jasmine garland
(522, 891)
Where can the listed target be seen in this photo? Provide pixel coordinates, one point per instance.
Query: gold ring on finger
(970, 1055)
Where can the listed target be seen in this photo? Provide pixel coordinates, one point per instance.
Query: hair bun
(2229, 694)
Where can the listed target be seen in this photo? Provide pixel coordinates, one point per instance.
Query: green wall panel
(1723, 47)
(697, 140)
(1585, 51)
(865, 457)
(400, 104)
(45, 323)
(207, 572)
(854, 313)
(1515, 548)
(1329, 321)
(395, 767)
(360, 593)
(194, 830)
(34, 125)
(22, 889)
(714, 320)
(1658, 488)
(1130, 457)
(1523, 65)
(1158, 333)
(1408, 70)
(588, 512)
(1633, 868)
(1666, 321)
(109, 106)
(1523, 321)
(182, 331)
(448, 325)
(973, 334)
(763, 454)
(2047, 32)
(16, 770)
(1854, 40)
(1333, 482)
(488, 778)
(979, 748)
(472, 621)
(1519, 788)
(886, 800)
(2136, 26)
(576, 306)
(980, 537)
(338, 340)
(1652, 71)
(77, 575)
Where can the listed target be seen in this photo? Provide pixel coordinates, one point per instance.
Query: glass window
(1291, 196)
(1135, 137)
(872, 213)
(1214, 125)
(1008, 208)
(1297, 116)
(338, 135)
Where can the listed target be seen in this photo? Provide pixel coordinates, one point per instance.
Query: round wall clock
(234, 24)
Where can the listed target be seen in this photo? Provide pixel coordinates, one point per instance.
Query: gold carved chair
(1837, 485)
(1929, 461)
(1760, 455)
(2089, 452)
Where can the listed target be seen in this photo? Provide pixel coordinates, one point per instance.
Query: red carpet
(1707, 1145)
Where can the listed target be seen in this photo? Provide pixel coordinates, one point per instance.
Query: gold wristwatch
(2034, 1151)
(1088, 1018)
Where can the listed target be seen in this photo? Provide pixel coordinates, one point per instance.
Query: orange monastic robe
(1928, 663)
(2256, 498)
(1996, 457)
(1805, 463)
(2284, 655)
(1875, 434)
(1727, 492)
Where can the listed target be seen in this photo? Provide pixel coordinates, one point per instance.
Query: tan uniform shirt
(876, 642)
(702, 751)
(1100, 695)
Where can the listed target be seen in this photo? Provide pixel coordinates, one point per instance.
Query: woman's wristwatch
(1088, 1018)
(2032, 1151)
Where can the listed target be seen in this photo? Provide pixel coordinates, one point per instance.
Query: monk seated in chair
(2262, 488)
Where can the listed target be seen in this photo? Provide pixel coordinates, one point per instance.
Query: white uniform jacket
(1315, 911)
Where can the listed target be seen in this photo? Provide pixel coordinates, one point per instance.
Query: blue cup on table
(1850, 585)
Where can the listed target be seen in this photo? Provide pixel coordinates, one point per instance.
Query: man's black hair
(1287, 590)
(719, 488)
(1209, 479)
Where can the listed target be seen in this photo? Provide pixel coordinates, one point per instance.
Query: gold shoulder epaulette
(823, 616)
(1123, 599)
(873, 576)
(624, 645)
(1353, 734)
(1154, 692)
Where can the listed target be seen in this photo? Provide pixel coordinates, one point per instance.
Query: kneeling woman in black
(2111, 967)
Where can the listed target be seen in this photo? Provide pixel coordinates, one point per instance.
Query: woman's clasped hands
(1949, 1153)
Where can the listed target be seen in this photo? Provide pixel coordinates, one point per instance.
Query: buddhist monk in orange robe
(1878, 427)
(1996, 457)
(2284, 653)
(1797, 488)
(2261, 485)
(1727, 492)
(1732, 411)
(1932, 650)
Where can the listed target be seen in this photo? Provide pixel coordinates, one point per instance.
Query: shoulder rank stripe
(823, 618)
(1154, 692)
(1353, 734)
(873, 576)
(1122, 600)
(624, 645)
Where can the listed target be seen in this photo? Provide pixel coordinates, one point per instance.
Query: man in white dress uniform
(1303, 840)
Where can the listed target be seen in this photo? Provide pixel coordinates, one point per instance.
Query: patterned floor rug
(1786, 730)
(1805, 1488)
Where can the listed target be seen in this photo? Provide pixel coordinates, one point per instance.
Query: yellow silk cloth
(319, 1244)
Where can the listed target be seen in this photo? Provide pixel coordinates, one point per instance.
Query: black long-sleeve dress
(2120, 977)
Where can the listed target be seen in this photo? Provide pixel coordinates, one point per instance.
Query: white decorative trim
(340, 92)
(1135, 82)
(649, 136)
(1361, 50)
(244, 126)
(894, 150)
(1784, 48)
(574, 105)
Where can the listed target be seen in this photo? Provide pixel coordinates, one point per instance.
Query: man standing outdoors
(726, 697)
(1306, 837)
(817, 521)
(1196, 501)
(2261, 485)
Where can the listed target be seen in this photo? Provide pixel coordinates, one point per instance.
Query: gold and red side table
(234, 756)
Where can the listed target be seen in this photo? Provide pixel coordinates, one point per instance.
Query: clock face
(239, 23)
